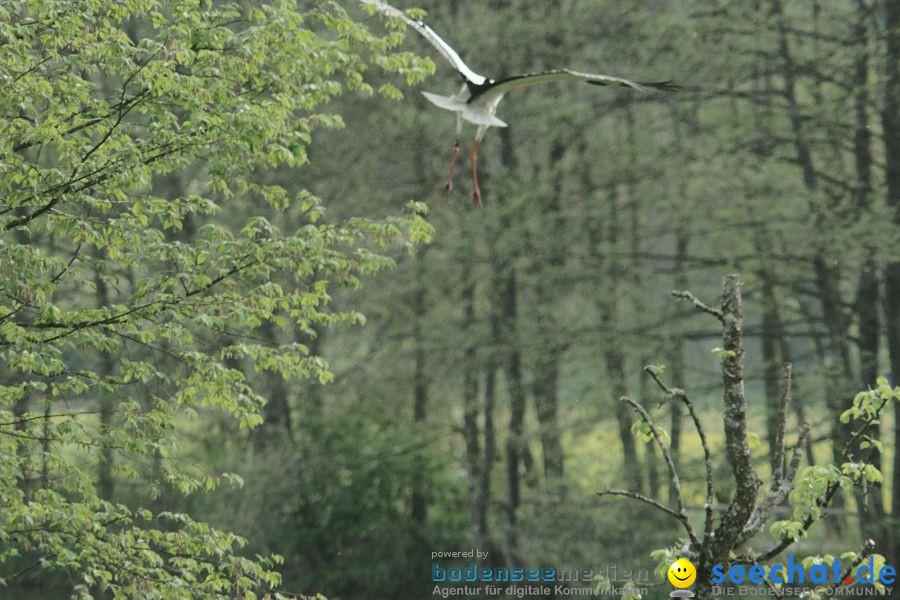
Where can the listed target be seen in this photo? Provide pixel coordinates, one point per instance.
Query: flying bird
(477, 99)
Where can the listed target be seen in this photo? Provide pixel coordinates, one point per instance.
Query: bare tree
(720, 540)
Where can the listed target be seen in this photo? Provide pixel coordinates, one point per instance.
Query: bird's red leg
(448, 187)
(476, 192)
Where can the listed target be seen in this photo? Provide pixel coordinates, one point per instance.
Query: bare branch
(781, 487)
(707, 456)
(700, 305)
(676, 484)
(868, 548)
(798, 452)
(826, 498)
(640, 497)
(780, 422)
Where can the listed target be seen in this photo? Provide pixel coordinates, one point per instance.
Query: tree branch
(783, 400)
(781, 487)
(707, 455)
(700, 305)
(832, 488)
(640, 497)
(676, 484)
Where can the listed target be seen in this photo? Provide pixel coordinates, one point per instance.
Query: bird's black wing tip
(664, 86)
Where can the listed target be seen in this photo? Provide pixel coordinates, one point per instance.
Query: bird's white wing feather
(434, 39)
(520, 81)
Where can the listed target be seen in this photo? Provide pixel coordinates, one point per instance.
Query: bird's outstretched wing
(434, 39)
(519, 81)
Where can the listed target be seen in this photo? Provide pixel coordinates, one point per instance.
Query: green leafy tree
(116, 286)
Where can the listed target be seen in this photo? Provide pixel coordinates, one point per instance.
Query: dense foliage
(128, 304)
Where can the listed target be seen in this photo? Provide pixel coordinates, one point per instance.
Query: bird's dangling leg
(476, 192)
(448, 187)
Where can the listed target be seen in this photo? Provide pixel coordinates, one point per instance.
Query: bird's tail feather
(445, 102)
(664, 86)
(470, 113)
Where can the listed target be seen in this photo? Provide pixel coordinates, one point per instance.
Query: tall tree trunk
(546, 378)
(20, 410)
(470, 400)
(488, 458)
(310, 401)
(873, 524)
(420, 386)
(772, 360)
(105, 484)
(729, 530)
(515, 440)
(614, 353)
(276, 423)
(890, 123)
(840, 384)
(735, 424)
(636, 280)
(505, 280)
(545, 399)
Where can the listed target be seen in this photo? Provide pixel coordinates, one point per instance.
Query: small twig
(700, 305)
(640, 497)
(776, 591)
(868, 548)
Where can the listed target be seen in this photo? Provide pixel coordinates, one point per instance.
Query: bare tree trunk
(420, 388)
(890, 121)
(735, 421)
(488, 458)
(614, 354)
(547, 368)
(20, 408)
(515, 440)
(470, 403)
(545, 398)
(310, 401)
(772, 360)
(517, 454)
(873, 524)
(276, 423)
(744, 502)
(105, 484)
(827, 275)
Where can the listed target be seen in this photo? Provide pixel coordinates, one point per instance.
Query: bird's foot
(448, 187)
(476, 197)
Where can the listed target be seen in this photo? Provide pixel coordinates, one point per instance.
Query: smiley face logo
(682, 573)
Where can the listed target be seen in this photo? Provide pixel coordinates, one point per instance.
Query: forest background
(430, 376)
